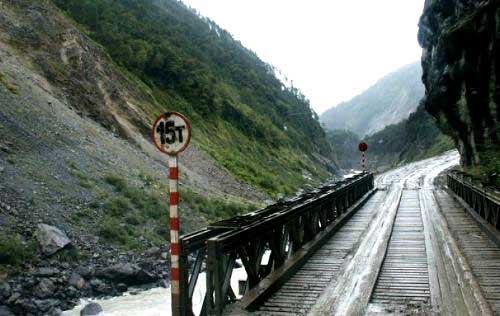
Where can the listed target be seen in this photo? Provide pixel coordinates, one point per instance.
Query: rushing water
(154, 302)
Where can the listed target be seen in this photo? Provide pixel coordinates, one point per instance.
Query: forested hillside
(241, 113)
(391, 100)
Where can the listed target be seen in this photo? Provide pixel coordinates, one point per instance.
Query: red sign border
(165, 116)
(362, 145)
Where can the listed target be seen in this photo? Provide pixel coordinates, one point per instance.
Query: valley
(84, 193)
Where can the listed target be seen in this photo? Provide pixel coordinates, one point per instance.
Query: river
(153, 302)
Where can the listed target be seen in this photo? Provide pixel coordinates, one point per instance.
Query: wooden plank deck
(302, 290)
(403, 280)
(482, 254)
(439, 261)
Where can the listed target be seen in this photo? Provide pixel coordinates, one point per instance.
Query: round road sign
(171, 133)
(363, 147)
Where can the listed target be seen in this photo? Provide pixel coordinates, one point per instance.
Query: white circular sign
(171, 133)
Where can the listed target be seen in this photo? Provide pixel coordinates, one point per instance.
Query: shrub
(8, 85)
(68, 254)
(111, 231)
(12, 250)
(118, 206)
(116, 181)
(133, 219)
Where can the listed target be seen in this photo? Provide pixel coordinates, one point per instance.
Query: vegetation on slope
(242, 114)
(488, 171)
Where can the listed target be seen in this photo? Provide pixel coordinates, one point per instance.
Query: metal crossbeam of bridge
(392, 244)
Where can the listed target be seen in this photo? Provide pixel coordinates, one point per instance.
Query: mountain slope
(53, 73)
(391, 100)
(75, 151)
(240, 111)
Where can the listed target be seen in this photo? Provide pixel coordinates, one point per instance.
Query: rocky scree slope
(461, 64)
(391, 100)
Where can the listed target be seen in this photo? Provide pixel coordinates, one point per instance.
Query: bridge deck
(404, 277)
(302, 290)
(482, 254)
(415, 252)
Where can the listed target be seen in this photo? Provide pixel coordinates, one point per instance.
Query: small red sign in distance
(363, 147)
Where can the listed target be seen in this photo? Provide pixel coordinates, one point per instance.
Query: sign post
(171, 134)
(363, 147)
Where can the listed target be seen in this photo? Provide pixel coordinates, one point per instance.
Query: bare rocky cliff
(461, 69)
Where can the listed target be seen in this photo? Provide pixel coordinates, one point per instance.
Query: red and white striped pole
(173, 175)
(171, 134)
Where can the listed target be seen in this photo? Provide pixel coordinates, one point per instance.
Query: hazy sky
(332, 50)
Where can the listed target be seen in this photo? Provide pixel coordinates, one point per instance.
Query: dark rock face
(461, 69)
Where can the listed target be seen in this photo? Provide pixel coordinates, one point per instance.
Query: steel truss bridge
(396, 243)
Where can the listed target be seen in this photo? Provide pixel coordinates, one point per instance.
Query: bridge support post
(214, 279)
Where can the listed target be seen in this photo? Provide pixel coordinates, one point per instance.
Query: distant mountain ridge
(414, 138)
(389, 101)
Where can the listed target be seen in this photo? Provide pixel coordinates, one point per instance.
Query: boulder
(91, 309)
(46, 272)
(28, 306)
(46, 305)
(51, 239)
(13, 298)
(122, 287)
(44, 288)
(86, 271)
(5, 311)
(100, 287)
(77, 281)
(154, 251)
(125, 272)
(144, 276)
(4, 291)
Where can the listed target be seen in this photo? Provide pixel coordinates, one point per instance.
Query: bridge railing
(278, 236)
(192, 256)
(483, 201)
(283, 228)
